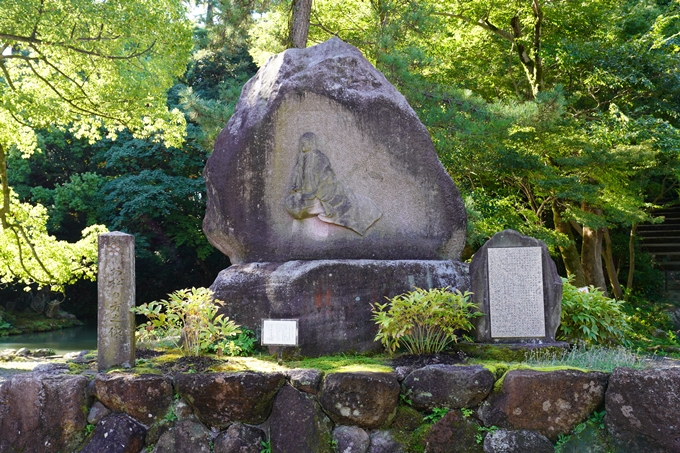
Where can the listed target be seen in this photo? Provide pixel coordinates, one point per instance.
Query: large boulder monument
(327, 195)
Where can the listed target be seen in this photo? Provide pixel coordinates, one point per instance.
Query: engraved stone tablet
(116, 295)
(280, 332)
(516, 292)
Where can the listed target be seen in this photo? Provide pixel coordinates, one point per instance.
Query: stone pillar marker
(116, 295)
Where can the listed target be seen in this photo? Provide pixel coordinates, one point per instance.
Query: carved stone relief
(316, 192)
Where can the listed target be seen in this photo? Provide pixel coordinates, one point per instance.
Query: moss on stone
(498, 385)
(407, 419)
(506, 352)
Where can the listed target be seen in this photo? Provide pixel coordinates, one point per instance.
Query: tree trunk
(591, 253)
(631, 257)
(609, 264)
(298, 26)
(570, 257)
(4, 209)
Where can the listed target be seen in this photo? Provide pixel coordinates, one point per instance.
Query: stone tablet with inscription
(116, 295)
(324, 159)
(516, 292)
(517, 288)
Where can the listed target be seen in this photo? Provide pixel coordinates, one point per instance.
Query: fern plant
(589, 317)
(423, 321)
(189, 319)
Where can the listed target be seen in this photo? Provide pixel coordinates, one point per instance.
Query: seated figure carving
(316, 191)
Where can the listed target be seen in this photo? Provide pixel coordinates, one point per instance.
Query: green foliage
(242, 344)
(90, 64)
(646, 317)
(591, 318)
(4, 321)
(482, 431)
(29, 254)
(437, 414)
(90, 68)
(266, 446)
(189, 319)
(596, 420)
(423, 321)
(170, 416)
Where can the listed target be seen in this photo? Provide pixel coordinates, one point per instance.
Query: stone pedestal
(331, 298)
(116, 295)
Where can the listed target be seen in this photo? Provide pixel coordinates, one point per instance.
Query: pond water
(62, 341)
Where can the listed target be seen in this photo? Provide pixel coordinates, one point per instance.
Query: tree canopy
(91, 67)
(559, 119)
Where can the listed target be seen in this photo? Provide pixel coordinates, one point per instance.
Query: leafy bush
(242, 344)
(4, 322)
(190, 321)
(590, 317)
(423, 321)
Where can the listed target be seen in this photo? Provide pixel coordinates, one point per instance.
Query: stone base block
(331, 298)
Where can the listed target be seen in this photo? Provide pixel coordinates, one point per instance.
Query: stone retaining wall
(305, 411)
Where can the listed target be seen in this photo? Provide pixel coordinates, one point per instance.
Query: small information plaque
(280, 332)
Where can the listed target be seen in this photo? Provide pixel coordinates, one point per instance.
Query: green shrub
(189, 320)
(423, 321)
(590, 317)
(3, 321)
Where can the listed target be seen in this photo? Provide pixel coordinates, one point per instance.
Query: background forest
(558, 119)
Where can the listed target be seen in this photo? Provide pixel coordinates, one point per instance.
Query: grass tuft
(593, 358)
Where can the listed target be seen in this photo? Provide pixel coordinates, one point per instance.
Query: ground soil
(419, 361)
(198, 364)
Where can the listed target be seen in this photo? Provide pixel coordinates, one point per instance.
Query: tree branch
(482, 22)
(34, 41)
(7, 76)
(71, 101)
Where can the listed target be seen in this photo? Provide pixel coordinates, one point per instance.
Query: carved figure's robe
(315, 191)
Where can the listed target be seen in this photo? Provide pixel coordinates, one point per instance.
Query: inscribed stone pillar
(116, 294)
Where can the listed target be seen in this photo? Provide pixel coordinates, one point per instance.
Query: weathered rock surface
(479, 278)
(551, 403)
(367, 400)
(520, 441)
(97, 412)
(454, 433)
(117, 433)
(298, 424)
(383, 442)
(42, 413)
(239, 438)
(351, 439)
(144, 397)
(407, 419)
(448, 386)
(642, 410)
(305, 380)
(219, 399)
(186, 436)
(331, 298)
(324, 158)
